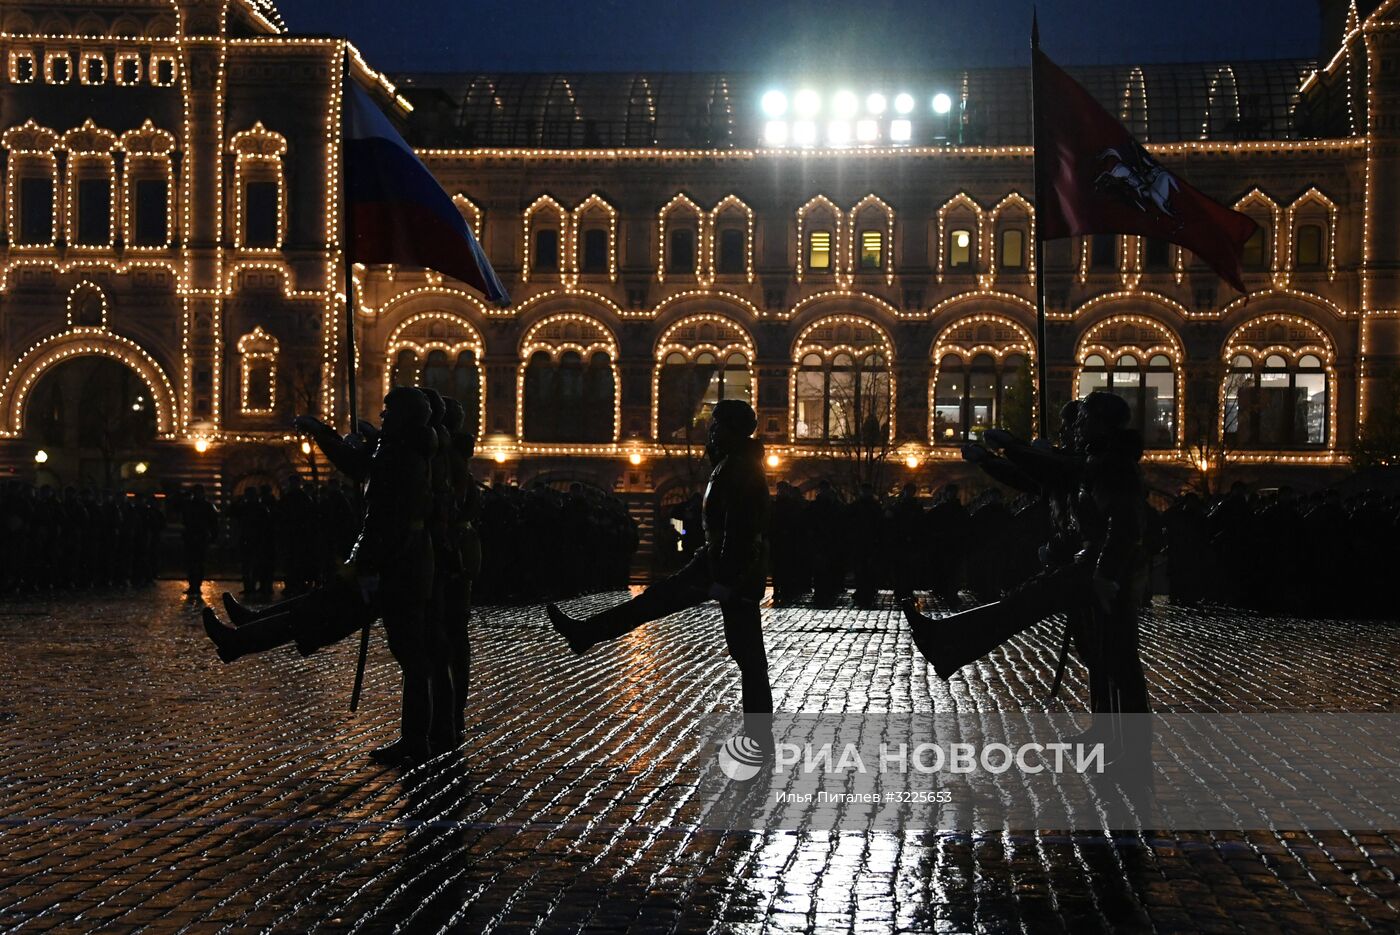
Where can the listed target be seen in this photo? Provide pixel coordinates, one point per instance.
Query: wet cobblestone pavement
(148, 787)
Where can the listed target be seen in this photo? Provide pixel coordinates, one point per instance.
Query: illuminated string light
(257, 350)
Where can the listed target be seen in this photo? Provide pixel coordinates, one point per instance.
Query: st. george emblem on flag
(396, 212)
(1093, 177)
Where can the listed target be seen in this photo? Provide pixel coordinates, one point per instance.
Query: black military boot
(237, 613)
(958, 639)
(258, 636)
(571, 628)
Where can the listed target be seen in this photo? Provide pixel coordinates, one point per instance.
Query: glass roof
(990, 106)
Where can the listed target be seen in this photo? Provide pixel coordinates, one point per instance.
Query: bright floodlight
(804, 133)
(904, 103)
(774, 103)
(845, 104)
(875, 103)
(838, 133)
(901, 131)
(41, 456)
(867, 131)
(775, 133)
(942, 103)
(807, 103)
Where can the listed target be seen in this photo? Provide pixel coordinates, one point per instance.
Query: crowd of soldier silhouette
(289, 539)
(1257, 550)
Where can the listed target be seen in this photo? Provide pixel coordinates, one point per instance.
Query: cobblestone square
(149, 787)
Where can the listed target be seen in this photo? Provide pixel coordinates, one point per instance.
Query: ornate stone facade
(875, 302)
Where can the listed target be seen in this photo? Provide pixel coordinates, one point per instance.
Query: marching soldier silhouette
(731, 567)
(389, 573)
(1104, 570)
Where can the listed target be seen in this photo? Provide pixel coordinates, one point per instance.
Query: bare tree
(860, 413)
(1378, 444)
(1210, 443)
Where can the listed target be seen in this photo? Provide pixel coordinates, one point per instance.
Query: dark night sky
(788, 37)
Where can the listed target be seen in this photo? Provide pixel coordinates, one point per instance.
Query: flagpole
(349, 239)
(354, 400)
(1042, 403)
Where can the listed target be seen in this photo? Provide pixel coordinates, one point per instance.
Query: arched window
(689, 388)
(569, 400)
(546, 222)
(700, 360)
(260, 216)
(594, 227)
(1276, 403)
(819, 232)
(90, 186)
(731, 225)
(567, 385)
(983, 378)
(440, 350)
(959, 235)
(1277, 391)
(843, 398)
(258, 351)
(680, 227)
(31, 185)
(1135, 357)
(960, 249)
(148, 180)
(1313, 220)
(972, 396)
(1147, 385)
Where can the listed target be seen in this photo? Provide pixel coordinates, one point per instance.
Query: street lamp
(41, 456)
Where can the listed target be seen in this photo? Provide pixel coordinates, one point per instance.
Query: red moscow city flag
(1092, 177)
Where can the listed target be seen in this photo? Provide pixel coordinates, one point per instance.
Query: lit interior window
(872, 249)
(959, 249)
(901, 131)
(819, 250)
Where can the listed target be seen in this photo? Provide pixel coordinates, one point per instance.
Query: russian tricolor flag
(396, 211)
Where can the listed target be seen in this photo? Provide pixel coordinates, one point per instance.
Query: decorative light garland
(257, 348)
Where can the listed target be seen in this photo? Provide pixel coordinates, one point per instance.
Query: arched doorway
(96, 421)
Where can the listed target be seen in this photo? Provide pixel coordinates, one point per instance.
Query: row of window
(93, 205)
(1309, 251)
(92, 67)
(1276, 404)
